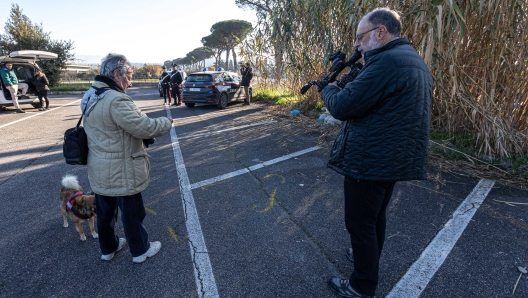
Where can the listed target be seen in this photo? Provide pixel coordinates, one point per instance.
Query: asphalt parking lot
(244, 206)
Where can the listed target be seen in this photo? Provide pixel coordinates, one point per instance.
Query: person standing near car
(11, 83)
(41, 83)
(175, 82)
(118, 166)
(165, 85)
(247, 74)
(384, 138)
(183, 74)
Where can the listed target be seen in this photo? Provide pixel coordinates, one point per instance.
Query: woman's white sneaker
(122, 242)
(154, 248)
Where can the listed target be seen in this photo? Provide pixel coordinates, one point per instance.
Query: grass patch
(79, 87)
(277, 96)
(313, 106)
(463, 147)
(85, 85)
(454, 145)
(287, 100)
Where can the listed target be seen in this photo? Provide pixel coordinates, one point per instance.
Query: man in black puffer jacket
(383, 139)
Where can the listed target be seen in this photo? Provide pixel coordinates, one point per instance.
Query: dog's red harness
(70, 202)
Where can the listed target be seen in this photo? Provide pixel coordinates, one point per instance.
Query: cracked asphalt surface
(276, 231)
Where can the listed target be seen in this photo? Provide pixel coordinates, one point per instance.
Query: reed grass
(477, 52)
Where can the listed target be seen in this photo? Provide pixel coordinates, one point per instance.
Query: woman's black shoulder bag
(75, 147)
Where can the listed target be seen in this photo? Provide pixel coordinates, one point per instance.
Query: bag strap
(80, 119)
(86, 106)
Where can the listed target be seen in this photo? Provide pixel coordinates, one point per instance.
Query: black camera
(147, 142)
(337, 67)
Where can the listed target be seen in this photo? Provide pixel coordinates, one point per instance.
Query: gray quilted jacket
(386, 113)
(117, 162)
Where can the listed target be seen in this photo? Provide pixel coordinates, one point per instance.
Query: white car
(24, 65)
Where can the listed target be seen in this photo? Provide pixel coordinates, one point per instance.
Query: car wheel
(189, 105)
(36, 105)
(222, 103)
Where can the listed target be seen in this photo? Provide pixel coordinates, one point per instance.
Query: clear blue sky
(144, 31)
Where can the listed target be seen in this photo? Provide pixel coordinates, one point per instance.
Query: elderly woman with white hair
(118, 166)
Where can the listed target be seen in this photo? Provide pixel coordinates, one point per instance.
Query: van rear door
(28, 56)
(33, 55)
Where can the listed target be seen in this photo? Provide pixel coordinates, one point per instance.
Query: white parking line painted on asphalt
(41, 113)
(227, 129)
(203, 272)
(422, 271)
(252, 168)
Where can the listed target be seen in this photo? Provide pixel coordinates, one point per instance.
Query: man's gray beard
(373, 44)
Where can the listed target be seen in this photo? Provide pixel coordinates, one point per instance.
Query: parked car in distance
(159, 83)
(213, 87)
(24, 65)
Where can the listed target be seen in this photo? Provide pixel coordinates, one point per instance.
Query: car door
(228, 82)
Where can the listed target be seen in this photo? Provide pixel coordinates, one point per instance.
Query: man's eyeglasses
(359, 36)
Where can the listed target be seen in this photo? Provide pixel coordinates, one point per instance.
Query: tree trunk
(218, 58)
(278, 63)
(234, 60)
(227, 59)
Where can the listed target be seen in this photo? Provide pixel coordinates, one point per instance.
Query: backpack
(75, 147)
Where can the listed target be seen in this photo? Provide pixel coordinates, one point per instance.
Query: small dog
(77, 205)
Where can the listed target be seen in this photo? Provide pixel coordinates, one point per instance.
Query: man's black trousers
(365, 206)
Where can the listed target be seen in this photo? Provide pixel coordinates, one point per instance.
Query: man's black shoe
(343, 288)
(350, 254)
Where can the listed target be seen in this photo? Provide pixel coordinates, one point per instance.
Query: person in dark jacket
(383, 139)
(165, 85)
(247, 74)
(175, 82)
(41, 84)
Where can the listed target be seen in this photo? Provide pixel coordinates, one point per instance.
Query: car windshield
(200, 78)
